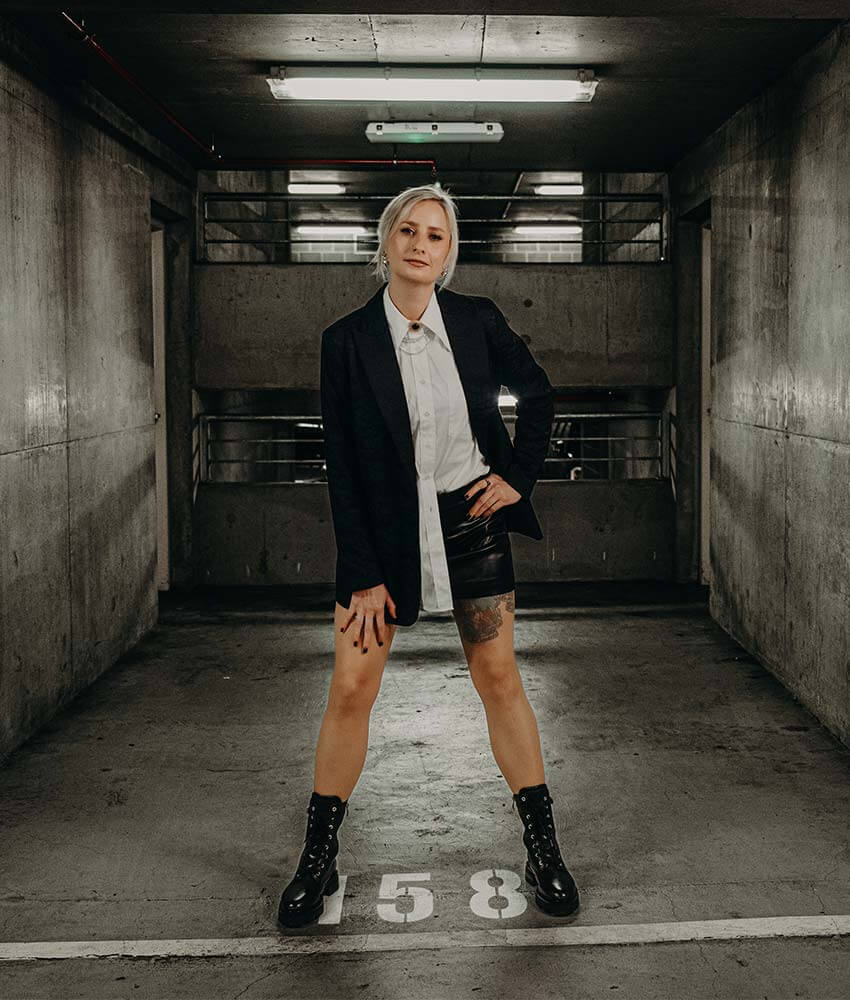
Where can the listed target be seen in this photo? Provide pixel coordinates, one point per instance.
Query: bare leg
(344, 733)
(486, 627)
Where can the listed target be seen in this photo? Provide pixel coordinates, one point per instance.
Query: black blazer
(369, 446)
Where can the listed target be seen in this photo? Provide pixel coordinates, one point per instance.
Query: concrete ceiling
(666, 82)
(817, 9)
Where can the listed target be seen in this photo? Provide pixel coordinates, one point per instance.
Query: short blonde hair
(398, 207)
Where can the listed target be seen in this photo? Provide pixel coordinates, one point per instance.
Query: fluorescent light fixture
(426, 84)
(547, 230)
(352, 230)
(559, 189)
(296, 188)
(506, 400)
(434, 132)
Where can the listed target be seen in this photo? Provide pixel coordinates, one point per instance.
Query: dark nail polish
(355, 642)
(363, 650)
(380, 643)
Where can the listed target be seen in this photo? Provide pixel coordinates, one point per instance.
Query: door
(160, 436)
(705, 403)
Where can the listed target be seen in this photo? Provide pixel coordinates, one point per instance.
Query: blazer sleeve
(516, 368)
(357, 558)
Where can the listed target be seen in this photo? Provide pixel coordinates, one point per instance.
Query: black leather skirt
(478, 549)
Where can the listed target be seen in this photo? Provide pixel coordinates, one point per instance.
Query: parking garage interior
(674, 252)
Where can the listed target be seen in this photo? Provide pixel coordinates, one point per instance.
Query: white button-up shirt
(447, 455)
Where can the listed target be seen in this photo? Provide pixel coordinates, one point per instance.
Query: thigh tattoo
(480, 618)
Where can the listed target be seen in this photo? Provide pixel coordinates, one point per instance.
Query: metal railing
(248, 227)
(286, 448)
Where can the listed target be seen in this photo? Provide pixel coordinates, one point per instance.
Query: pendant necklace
(414, 340)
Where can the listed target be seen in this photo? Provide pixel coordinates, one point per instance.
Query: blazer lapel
(381, 365)
(469, 348)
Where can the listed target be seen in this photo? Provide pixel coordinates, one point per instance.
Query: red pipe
(233, 163)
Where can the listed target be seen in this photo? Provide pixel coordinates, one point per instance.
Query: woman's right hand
(366, 611)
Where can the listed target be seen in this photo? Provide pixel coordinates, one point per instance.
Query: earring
(384, 259)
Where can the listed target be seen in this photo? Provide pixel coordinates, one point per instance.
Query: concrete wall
(256, 534)
(777, 175)
(77, 499)
(259, 325)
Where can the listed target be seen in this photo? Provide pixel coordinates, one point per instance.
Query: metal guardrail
(613, 228)
(244, 448)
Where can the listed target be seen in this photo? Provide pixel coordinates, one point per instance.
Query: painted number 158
(495, 895)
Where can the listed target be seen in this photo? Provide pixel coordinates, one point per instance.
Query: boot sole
(298, 918)
(546, 905)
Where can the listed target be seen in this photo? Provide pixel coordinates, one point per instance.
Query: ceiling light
(317, 230)
(434, 132)
(295, 188)
(547, 230)
(559, 189)
(426, 84)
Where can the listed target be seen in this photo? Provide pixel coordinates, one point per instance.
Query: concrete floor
(169, 801)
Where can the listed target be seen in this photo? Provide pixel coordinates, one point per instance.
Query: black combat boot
(544, 868)
(316, 876)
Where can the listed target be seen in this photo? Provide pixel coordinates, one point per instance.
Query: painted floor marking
(737, 929)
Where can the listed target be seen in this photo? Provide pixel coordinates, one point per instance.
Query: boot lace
(317, 839)
(548, 851)
(540, 827)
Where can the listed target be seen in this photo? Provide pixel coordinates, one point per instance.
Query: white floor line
(739, 929)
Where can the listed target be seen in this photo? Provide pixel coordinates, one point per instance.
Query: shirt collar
(431, 318)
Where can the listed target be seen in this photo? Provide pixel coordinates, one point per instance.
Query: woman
(425, 485)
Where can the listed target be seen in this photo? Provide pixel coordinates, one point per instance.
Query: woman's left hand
(494, 493)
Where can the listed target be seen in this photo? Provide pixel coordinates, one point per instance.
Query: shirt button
(427, 413)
